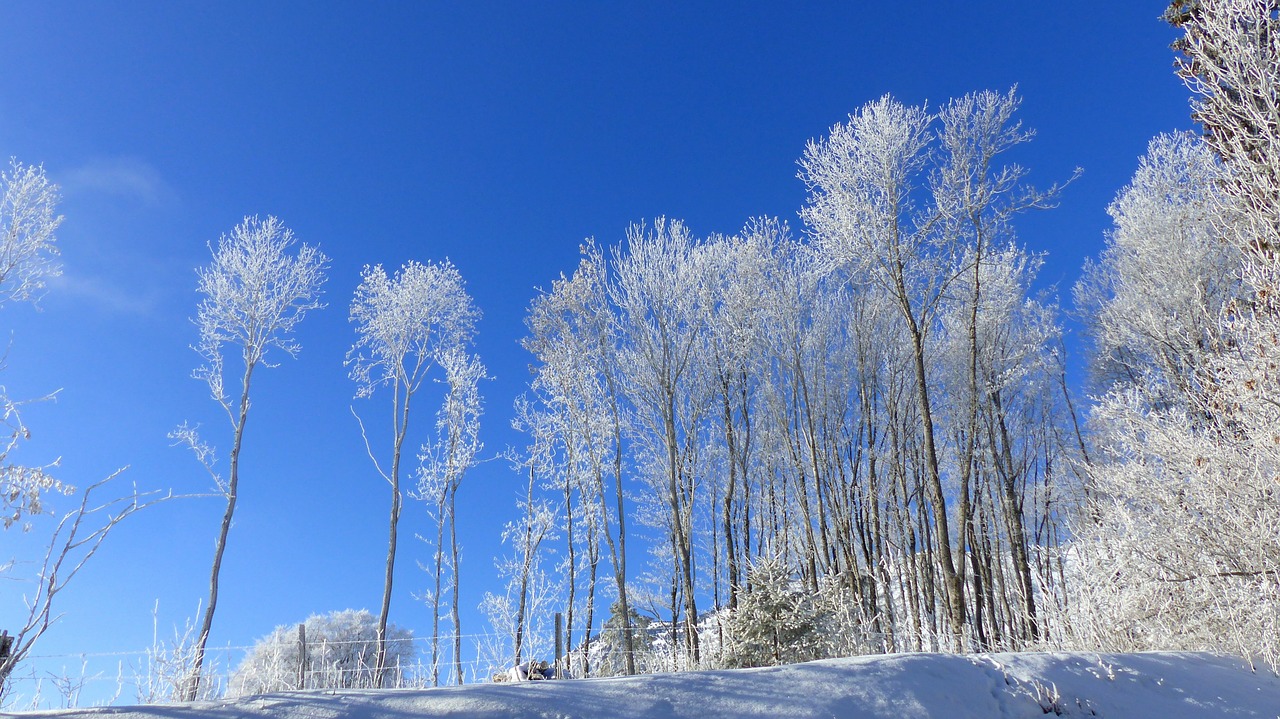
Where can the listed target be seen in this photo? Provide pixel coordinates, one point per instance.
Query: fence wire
(71, 680)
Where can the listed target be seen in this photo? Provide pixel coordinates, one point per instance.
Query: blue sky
(498, 135)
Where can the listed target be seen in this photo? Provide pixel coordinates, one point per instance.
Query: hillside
(1166, 685)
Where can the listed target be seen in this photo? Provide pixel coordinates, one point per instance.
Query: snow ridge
(1164, 685)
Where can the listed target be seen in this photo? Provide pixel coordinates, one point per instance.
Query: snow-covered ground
(1165, 685)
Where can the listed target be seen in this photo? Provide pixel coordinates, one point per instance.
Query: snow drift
(1166, 685)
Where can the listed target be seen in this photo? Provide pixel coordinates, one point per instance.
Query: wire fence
(158, 674)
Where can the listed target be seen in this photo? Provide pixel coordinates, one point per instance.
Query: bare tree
(76, 538)
(443, 463)
(406, 325)
(256, 291)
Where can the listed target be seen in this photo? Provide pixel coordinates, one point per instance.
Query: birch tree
(256, 290)
(406, 326)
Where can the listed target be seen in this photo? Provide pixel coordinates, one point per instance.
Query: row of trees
(776, 398)
(856, 439)
(410, 327)
(260, 284)
(867, 432)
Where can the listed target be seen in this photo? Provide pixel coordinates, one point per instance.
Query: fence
(155, 675)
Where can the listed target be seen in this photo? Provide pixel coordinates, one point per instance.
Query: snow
(1165, 685)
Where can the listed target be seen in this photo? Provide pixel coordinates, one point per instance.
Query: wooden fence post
(559, 643)
(302, 656)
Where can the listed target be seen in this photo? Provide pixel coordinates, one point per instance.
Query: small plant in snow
(774, 623)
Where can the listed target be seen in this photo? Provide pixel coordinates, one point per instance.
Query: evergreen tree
(775, 622)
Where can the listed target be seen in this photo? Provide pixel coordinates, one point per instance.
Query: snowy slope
(1166, 685)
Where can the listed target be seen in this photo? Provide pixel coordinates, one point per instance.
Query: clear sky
(498, 135)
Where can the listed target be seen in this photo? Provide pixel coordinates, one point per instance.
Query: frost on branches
(410, 326)
(1151, 302)
(28, 221)
(340, 652)
(28, 257)
(1180, 547)
(256, 289)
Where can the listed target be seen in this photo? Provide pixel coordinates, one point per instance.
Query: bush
(342, 649)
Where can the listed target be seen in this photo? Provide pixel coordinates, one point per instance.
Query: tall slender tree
(256, 290)
(443, 462)
(406, 326)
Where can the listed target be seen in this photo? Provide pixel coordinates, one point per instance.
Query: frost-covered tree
(611, 655)
(407, 325)
(1152, 301)
(775, 622)
(28, 257)
(865, 405)
(258, 287)
(741, 303)
(340, 652)
(443, 463)
(863, 208)
(518, 614)
(658, 288)
(575, 402)
(1179, 547)
(1230, 59)
(28, 226)
(911, 206)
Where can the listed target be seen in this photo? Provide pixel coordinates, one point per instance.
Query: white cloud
(101, 295)
(119, 176)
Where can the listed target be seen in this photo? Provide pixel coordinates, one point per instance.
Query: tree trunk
(192, 690)
(400, 418)
(952, 582)
(457, 619)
